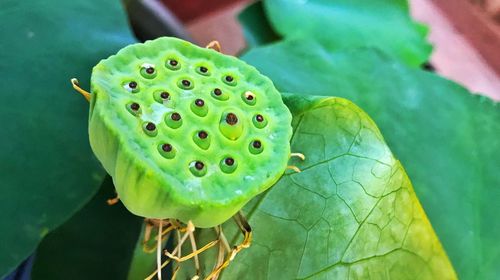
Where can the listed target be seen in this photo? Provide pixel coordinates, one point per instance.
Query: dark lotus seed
(229, 161)
(199, 102)
(249, 97)
(150, 126)
(186, 83)
(134, 106)
(202, 134)
(166, 147)
(175, 116)
(199, 165)
(150, 70)
(173, 62)
(229, 78)
(231, 119)
(132, 85)
(203, 69)
(217, 91)
(164, 95)
(259, 118)
(256, 144)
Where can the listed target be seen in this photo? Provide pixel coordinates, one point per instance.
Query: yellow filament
(77, 87)
(113, 201)
(294, 168)
(299, 155)
(214, 45)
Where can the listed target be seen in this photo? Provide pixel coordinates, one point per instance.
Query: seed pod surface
(175, 126)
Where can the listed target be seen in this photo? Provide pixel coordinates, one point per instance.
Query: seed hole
(202, 134)
(249, 98)
(198, 107)
(230, 126)
(231, 119)
(166, 150)
(228, 165)
(229, 161)
(219, 95)
(199, 165)
(203, 69)
(257, 144)
(256, 147)
(198, 168)
(199, 102)
(135, 106)
(173, 120)
(185, 83)
(229, 80)
(150, 129)
(202, 139)
(164, 95)
(175, 116)
(148, 71)
(259, 121)
(173, 62)
(131, 86)
(150, 126)
(166, 147)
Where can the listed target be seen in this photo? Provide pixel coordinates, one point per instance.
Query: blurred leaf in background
(446, 138)
(48, 171)
(347, 24)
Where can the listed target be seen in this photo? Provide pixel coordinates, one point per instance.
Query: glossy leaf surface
(346, 24)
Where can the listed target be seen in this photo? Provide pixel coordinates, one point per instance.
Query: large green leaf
(47, 169)
(96, 243)
(345, 24)
(350, 213)
(447, 139)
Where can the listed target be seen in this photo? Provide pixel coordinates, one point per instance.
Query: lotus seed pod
(186, 132)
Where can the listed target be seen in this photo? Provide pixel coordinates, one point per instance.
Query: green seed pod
(170, 124)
